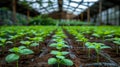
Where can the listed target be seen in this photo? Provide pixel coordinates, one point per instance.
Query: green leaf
(65, 53)
(1, 44)
(116, 42)
(103, 47)
(26, 51)
(52, 61)
(96, 35)
(9, 42)
(3, 40)
(59, 47)
(25, 42)
(60, 57)
(54, 52)
(67, 62)
(34, 44)
(14, 49)
(12, 58)
(21, 47)
(53, 45)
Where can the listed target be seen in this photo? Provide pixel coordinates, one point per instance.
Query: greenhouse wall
(6, 17)
(109, 16)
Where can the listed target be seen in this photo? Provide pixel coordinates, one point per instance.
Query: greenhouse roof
(71, 6)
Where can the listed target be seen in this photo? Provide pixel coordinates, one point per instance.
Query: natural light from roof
(72, 6)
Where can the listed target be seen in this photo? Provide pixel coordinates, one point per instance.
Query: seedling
(89, 45)
(26, 43)
(2, 44)
(59, 45)
(98, 47)
(36, 39)
(84, 40)
(16, 53)
(60, 58)
(117, 43)
(29, 44)
(13, 38)
(103, 34)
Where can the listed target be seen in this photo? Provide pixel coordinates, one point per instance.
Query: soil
(78, 54)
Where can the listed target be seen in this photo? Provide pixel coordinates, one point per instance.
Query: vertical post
(28, 15)
(14, 11)
(115, 18)
(107, 16)
(100, 11)
(88, 13)
(119, 14)
(81, 16)
(78, 17)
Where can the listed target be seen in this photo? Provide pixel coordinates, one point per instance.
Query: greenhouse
(59, 33)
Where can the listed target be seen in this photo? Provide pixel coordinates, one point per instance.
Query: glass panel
(77, 0)
(90, 0)
(74, 4)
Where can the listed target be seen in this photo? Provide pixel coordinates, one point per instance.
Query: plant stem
(83, 46)
(3, 49)
(97, 57)
(58, 65)
(117, 50)
(103, 39)
(89, 53)
(17, 63)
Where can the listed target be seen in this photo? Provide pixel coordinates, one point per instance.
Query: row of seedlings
(59, 44)
(16, 52)
(89, 45)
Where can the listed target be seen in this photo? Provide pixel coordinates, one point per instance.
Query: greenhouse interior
(60, 33)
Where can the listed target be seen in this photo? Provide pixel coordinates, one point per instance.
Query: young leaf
(52, 61)
(67, 62)
(12, 57)
(64, 53)
(21, 47)
(26, 52)
(60, 57)
(34, 44)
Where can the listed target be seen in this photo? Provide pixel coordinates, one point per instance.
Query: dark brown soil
(78, 54)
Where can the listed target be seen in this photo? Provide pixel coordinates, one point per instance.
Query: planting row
(18, 42)
(51, 46)
(96, 42)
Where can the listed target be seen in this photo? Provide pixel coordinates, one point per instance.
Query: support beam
(88, 13)
(82, 16)
(60, 5)
(28, 16)
(119, 14)
(107, 16)
(78, 5)
(100, 11)
(14, 11)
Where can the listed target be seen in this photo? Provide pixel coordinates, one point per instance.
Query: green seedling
(89, 46)
(117, 43)
(103, 34)
(98, 47)
(26, 43)
(60, 58)
(16, 52)
(2, 44)
(84, 40)
(29, 44)
(36, 39)
(58, 39)
(13, 38)
(59, 45)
